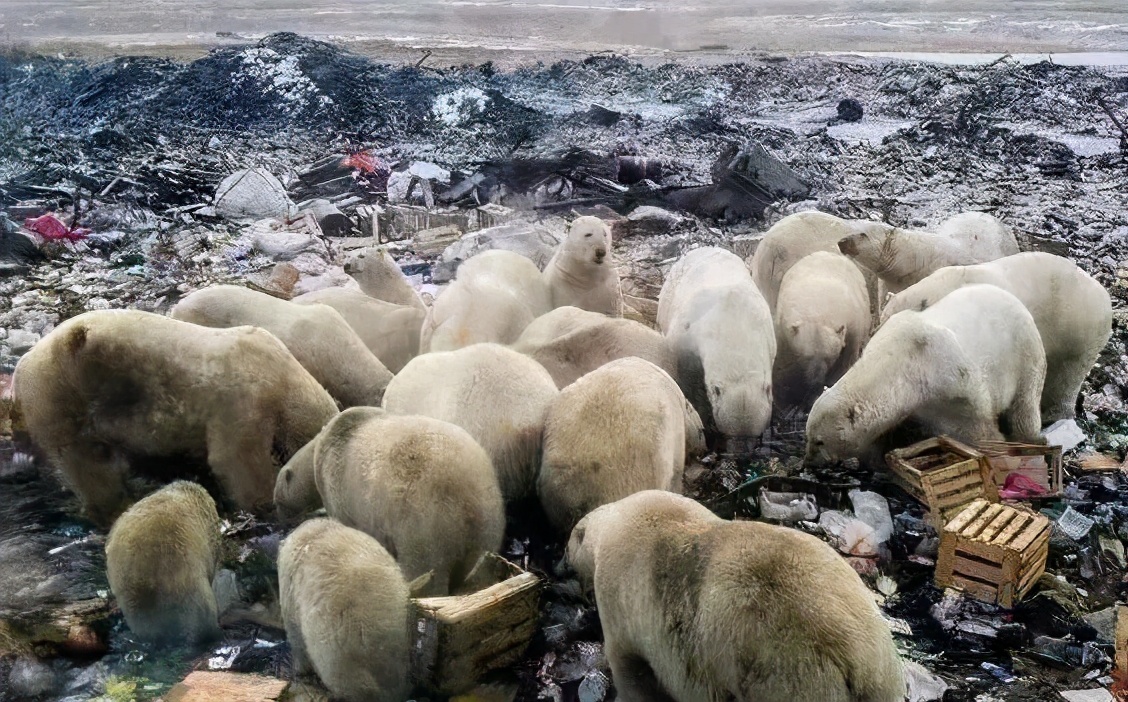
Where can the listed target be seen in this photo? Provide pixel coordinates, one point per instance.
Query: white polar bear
(721, 331)
(390, 331)
(902, 257)
(319, 337)
(822, 321)
(580, 273)
(379, 277)
(570, 342)
(790, 240)
(971, 366)
(497, 395)
(495, 295)
(695, 608)
(622, 428)
(1072, 310)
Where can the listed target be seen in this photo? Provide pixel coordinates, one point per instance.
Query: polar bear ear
(795, 328)
(841, 331)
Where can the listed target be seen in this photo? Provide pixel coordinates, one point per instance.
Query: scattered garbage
(873, 509)
(1074, 524)
(50, 228)
(850, 535)
(254, 193)
(788, 507)
(1098, 694)
(1064, 433)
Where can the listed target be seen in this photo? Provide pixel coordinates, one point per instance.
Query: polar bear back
(977, 236)
(389, 330)
(790, 240)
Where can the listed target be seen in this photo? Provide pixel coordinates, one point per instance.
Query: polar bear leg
(1023, 418)
(1064, 377)
(243, 465)
(96, 473)
(633, 677)
(299, 658)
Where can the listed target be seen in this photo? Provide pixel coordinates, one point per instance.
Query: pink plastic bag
(50, 228)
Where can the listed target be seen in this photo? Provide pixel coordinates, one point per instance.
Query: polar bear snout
(849, 245)
(600, 254)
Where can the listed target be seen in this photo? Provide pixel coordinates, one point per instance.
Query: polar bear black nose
(848, 246)
(600, 253)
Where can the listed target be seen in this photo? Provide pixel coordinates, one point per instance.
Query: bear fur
(345, 608)
(570, 342)
(109, 386)
(695, 608)
(790, 240)
(580, 273)
(721, 332)
(379, 277)
(317, 335)
(620, 429)
(971, 366)
(902, 257)
(1072, 310)
(822, 321)
(161, 556)
(390, 331)
(421, 487)
(495, 295)
(497, 395)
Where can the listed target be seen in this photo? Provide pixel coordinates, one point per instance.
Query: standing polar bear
(345, 609)
(390, 331)
(721, 332)
(108, 387)
(902, 257)
(822, 320)
(495, 295)
(570, 342)
(971, 366)
(497, 395)
(161, 556)
(622, 428)
(695, 608)
(1072, 310)
(791, 239)
(378, 276)
(421, 487)
(580, 273)
(317, 335)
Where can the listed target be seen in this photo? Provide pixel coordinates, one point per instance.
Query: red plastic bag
(50, 228)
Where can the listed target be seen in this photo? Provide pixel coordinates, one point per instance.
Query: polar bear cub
(971, 366)
(1072, 310)
(722, 334)
(695, 608)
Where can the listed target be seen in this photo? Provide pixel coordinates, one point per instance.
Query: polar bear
(378, 276)
(580, 273)
(495, 295)
(107, 387)
(971, 366)
(822, 320)
(345, 607)
(1072, 310)
(161, 556)
(570, 342)
(421, 487)
(390, 331)
(619, 429)
(317, 335)
(901, 257)
(695, 608)
(495, 393)
(790, 240)
(721, 332)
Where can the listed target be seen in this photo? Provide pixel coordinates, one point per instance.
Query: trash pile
(132, 182)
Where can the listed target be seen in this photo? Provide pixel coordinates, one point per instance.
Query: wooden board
(211, 686)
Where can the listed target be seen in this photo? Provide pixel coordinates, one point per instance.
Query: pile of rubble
(132, 182)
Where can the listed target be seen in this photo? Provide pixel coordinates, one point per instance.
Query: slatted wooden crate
(944, 475)
(460, 638)
(993, 552)
(1038, 463)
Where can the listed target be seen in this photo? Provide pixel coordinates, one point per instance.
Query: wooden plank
(981, 591)
(977, 567)
(1038, 526)
(973, 510)
(972, 530)
(209, 686)
(996, 525)
(1020, 521)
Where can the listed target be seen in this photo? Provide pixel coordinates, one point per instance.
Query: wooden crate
(943, 474)
(1039, 463)
(460, 638)
(993, 552)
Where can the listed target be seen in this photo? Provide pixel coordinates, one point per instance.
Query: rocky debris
(252, 193)
(330, 219)
(31, 678)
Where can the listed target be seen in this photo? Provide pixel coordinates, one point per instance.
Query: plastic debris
(998, 672)
(253, 193)
(852, 536)
(921, 685)
(1019, 487)
(873, 509)
(1074, 524)
(224, 657)
(788, 506)
(50, 228)
(1098, 694)
(1064, 433)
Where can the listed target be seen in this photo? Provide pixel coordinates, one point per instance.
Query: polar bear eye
(587, 236)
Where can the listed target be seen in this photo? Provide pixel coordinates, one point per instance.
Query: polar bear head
(589, 242)
(871, 244)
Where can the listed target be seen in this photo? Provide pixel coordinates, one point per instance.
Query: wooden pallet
(460, 638)
(1039, 463)
(993, 552)
(944, 475)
